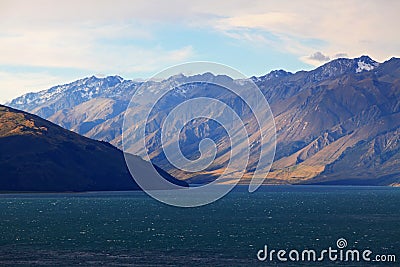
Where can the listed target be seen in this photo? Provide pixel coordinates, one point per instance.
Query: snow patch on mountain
(365, 66)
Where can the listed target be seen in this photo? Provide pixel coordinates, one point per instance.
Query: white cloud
(85, 47)
(96, 36)
(356, 27)
(100, 36)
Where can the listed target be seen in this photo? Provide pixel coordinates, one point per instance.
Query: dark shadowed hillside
(36, 155)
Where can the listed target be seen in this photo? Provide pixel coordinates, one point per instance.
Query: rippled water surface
(126, 228)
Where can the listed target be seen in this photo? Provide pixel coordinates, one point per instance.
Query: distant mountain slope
(103, 99)
(372, 162)
(36, 155)
(322, 122)
(326, 119)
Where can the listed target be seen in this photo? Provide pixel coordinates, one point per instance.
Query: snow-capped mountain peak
(365, 63)
(63, 96)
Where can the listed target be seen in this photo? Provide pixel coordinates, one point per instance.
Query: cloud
(121, 36)
(306, 26)
(87, 37)
(318, 56)
(301, 28)
(99, 36)
(104, 48)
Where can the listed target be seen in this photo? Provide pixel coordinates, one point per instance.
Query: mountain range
(37, 155)
(336, 124)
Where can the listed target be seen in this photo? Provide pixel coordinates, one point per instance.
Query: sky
(46, 43)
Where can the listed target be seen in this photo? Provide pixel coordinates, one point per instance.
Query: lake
(126, 228)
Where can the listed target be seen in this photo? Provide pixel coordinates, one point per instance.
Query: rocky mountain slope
(37, 155)
(338, 123)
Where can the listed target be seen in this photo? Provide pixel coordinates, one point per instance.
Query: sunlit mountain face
(337, 124)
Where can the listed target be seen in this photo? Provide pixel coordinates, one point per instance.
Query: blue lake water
(130, 228)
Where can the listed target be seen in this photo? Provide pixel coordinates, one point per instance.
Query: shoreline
(2, 193)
